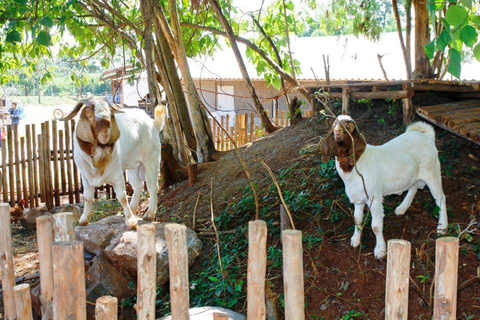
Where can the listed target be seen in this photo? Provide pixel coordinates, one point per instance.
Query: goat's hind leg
(358, 217)
(137, 184)
(151, 177)
(435, 186)
(407, 202)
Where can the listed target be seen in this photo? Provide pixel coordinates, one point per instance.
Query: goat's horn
(114, 106)
(75, 110)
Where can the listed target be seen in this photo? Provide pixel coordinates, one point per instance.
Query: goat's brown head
(97, 129)
(345, 142)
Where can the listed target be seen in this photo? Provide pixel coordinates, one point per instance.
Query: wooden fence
(62, 274)
(245, 129)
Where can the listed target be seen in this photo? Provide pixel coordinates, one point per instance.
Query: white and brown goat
(407, 162)
(108, 141)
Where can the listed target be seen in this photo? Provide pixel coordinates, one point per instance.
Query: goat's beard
(101, 157)
(339, 138)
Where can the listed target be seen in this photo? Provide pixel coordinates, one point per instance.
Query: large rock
(103, 279)
(111, 237)
(29, 218)
(206, 313)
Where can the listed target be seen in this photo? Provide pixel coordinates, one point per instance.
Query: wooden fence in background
(39, 166)
(62, 273)
(245, 128)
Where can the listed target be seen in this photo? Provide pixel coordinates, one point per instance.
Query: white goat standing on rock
(407, 162)
(108, 141)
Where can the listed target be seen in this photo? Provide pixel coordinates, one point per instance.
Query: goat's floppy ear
(114, 132)
(327, 147)
(360, 146)
(84, 129)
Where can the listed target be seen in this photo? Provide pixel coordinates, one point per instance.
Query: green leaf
(456, 15)
(466, 3)
(443, 40)
(430, 49)
(476, 51)
(44, 38)
(47, 21)
(475, 19)
(455, 65)
(468, 35)
(213, 279)
(13, 36)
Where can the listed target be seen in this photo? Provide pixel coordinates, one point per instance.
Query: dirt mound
(339, 280)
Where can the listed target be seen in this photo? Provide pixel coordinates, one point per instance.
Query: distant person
(16, 112)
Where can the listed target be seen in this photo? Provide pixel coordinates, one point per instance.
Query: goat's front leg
(358, 218)
(130, 218)
(377, 226)
(88, 193)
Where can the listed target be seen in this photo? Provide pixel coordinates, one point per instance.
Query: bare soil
(340, 282)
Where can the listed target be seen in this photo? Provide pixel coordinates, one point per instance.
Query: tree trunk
(269, 127)
(153, 91)
(408, 65)
(422, 38)
(203, 133)
(170, 169)
(294, 108)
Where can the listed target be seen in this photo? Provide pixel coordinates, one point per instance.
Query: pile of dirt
(342, 281)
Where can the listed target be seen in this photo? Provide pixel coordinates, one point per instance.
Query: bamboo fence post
(48, 167)
(232, 134)
(18, 178)
(45, 239)
(282, 119)
(35, 164)
(345, 99)
(64, 226)
(176, 236)
(446, 277)
(237, 127)
(245, 124)
(397, 281)
(6, 262)
(75, 170)
(11, 160)
(256, 270)
(276, 115)
(217, 131)
(41, 167)
(4, 171)
(227, 129)
(252, 126)
(69, 164)
(56, 178)
(293, 275)
(222, 134)
(24, 172)
(146, 268)
(106, 308)
(69, 295)
(62, 162)
(23, 301)
(30, 160)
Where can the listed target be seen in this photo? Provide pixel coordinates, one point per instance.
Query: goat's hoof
(83, 222)
(132, 222)
(399, 211)
(355, 241)
(149, 215)
(380, 253)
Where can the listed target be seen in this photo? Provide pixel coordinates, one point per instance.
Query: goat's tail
(422, 127)
(160, 116)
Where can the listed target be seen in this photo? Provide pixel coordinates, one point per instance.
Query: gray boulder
(111, 237)
(206, 313)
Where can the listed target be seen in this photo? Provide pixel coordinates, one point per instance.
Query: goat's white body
(137, 151)
(407, 162)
